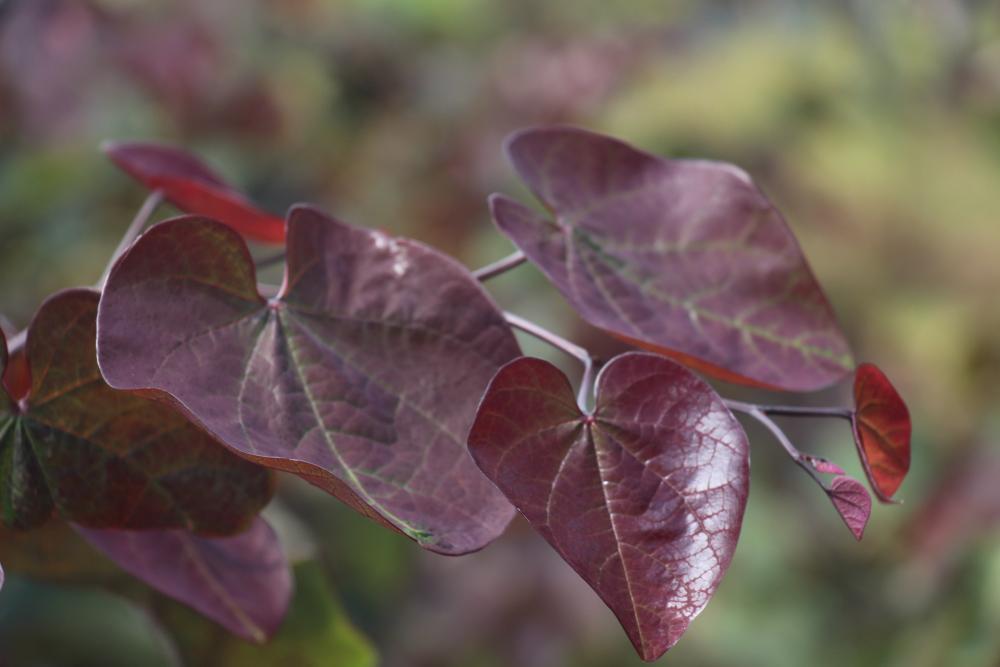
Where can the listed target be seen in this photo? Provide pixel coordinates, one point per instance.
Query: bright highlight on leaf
(682, 257)
(852, 502)
(644, 499)
(105, 458)
(241, 582)
(190, 185)
(881, 430)
(362, 377)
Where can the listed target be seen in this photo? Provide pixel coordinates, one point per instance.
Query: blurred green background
(875, 126)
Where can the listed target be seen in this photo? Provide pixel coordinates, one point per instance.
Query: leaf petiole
(500, 266)
(560, 343)
(132, 233)
(758, 413)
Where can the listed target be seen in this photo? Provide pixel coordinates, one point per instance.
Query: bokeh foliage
(875, 127)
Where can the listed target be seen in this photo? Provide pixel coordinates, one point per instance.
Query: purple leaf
(106, 458)
(193, 187)
(852, 502)
(644, 499)
(362, 376)
(241, 582)
(685, 258)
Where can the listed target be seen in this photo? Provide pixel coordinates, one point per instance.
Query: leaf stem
(500, 266)
(790, 410)
(560, 343)
(134, 229)
(800, 459)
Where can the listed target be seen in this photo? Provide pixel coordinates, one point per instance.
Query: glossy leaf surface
(362, 376)
(881, 430)
(315, 633)
(106, 458)
(644, 499)
(242, 582)
(190, 185)
(686, 258)
(852, 502)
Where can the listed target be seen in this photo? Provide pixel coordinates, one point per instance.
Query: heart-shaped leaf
(852, 502)
(881, 430)
(362, 376)
(105, 458)
(242, 582)
(644, 499)
(190, 185)
(685, 258)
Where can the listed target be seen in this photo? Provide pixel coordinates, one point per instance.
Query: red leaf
(686, 258)
(881, 431)
(104, 458)
(852, 502)
(644, 499)
(190, 185)
(241, 582)
(362, 376)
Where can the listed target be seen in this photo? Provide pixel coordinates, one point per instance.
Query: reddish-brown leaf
(242, 582)
(881, 430)
(193, 187)
(107, 458)
(362, 376)
(685, 258)
(644, 499)
(852, 502)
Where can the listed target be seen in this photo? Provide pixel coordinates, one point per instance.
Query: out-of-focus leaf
(644, 498)
(242, 582)
(193, 187)
(686, 258)
(881, 430)
(106, 458)
(362, 376)
(852, 502)
(315, 633)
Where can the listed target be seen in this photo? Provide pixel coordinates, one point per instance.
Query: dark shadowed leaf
(852, 502)
(644, 499)
(362, 376)
(193, 187)
(686, 258)
(315, 633)
(881, 430)
(242, 582)
(106, 458)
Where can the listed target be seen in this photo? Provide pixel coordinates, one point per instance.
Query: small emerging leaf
(881, 430)
(242, 582)
(824, 466)
(682, 257)
(362, 376)
(190, 185)
(852, 502)
(106, 458)
(644, 499)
